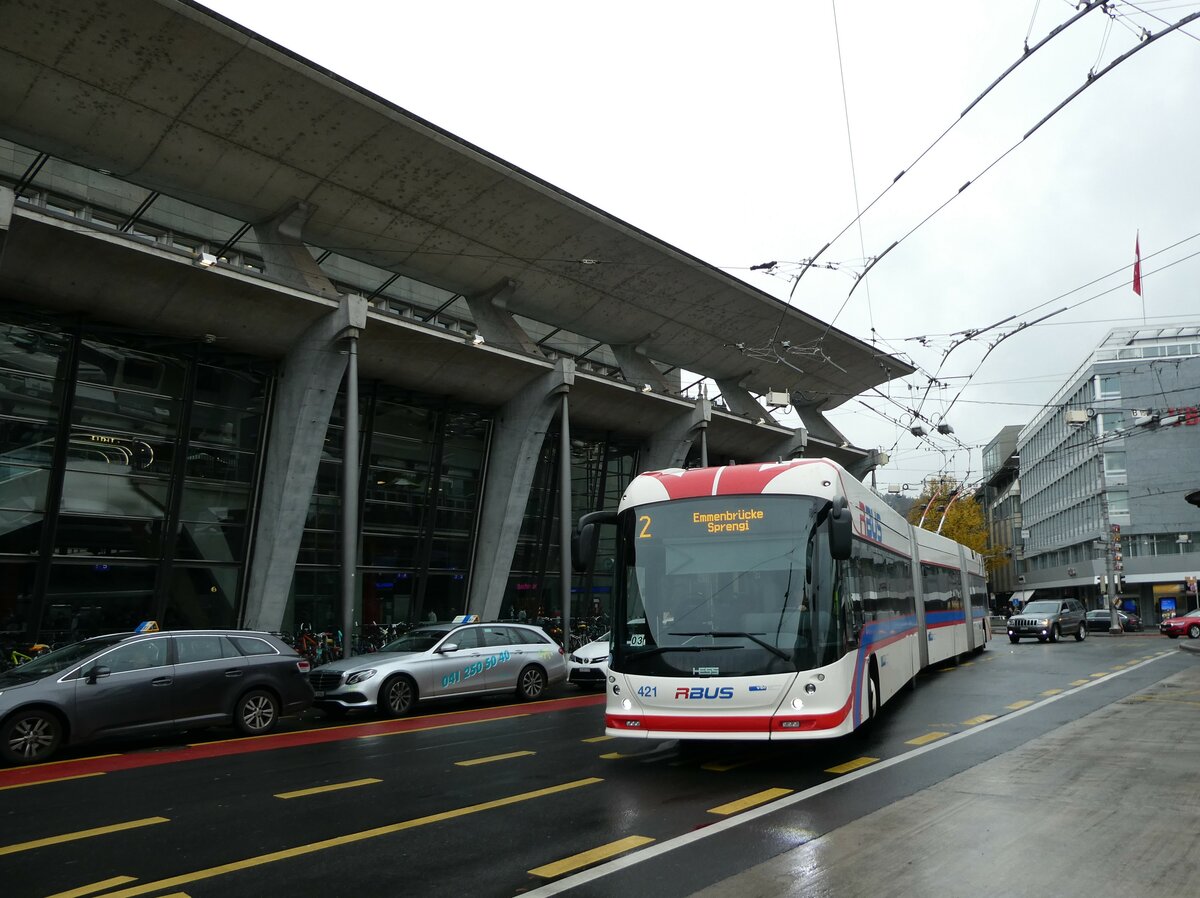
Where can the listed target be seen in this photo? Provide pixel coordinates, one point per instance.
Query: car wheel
(397, 696)
(1194, 631)
(1054, 633)
(30, 737)
(531, 684)
(257, 712)
(1081, 634)
(1014, 639)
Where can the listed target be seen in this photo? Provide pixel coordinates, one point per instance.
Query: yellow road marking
(488, 760)
(60, 779)
(586, 858)
(68, 761)
(749, 801)
(82, 834)
(1103, 673)
(1051, 692)
(94, 887)
(982, 718)
(1017, 706)
(927, 738)
(616, 756)
(332, 787)
(1078, 682)
(599, 738)
(349, 839)
(852, 765)
(439, 726)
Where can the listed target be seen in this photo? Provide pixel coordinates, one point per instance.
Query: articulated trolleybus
(773, 601)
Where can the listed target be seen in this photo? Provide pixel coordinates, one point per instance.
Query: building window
(1108, 386)
(1114, 463)
(1118, 502)
(1110, 422)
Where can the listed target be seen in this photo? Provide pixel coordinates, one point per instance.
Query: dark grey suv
(129, 684)
(1049, 619)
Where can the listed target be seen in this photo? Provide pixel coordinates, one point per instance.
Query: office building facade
(1114, 455)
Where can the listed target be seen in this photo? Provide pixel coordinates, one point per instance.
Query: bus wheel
(872, 696)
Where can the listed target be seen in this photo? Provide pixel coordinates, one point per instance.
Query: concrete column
(670, 446)
(304, 396)
(793, 447)
(517, 437)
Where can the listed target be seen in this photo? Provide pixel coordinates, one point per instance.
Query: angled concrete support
(739, 401)
(496, 324)
(517, 437)
(284, 254)
(306, 390)
(875, 458)
(670, 446)
(637, 368)
(793, 447)
(817, 424)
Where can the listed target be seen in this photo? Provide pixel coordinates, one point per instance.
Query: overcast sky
(751, 132)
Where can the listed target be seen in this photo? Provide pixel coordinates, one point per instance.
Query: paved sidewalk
(1108, 805)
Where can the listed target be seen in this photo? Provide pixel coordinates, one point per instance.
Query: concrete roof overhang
(167, 95)
(115, 278)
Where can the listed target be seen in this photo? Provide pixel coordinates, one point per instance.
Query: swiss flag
(1137, 265)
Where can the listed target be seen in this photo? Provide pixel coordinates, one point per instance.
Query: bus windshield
(726, 586)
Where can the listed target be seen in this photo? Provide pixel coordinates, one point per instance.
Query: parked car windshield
(61, 659)
(415, 641)
(1041, 608)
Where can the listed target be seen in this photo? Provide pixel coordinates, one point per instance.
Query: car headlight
(1044, 622)
(359, 676)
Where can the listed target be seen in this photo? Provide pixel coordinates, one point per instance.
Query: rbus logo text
(870, 523)
(702, 692)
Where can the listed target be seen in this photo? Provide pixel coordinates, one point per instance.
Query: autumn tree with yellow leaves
(946, 503)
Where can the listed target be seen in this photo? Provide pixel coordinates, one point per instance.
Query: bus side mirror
(841, 535)
(586, 537)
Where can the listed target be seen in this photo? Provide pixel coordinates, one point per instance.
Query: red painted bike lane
(51, 771)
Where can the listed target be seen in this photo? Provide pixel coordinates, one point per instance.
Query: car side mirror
(447, 648)
(96, 673)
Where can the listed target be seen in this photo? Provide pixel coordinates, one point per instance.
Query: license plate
(318, 694)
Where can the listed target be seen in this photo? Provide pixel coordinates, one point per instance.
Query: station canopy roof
(210, 113)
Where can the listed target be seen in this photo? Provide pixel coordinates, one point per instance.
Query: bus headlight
(626, 704)
(810, 688)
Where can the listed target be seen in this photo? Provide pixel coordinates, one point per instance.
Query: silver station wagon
(442, 660)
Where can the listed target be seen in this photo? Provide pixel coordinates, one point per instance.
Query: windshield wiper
(659, 649)
(730, 634)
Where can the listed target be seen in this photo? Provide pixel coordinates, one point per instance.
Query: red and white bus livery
(774, 601)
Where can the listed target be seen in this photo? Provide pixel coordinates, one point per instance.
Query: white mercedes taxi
(442, 660)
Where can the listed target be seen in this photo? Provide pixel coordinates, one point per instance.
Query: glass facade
(127, 477)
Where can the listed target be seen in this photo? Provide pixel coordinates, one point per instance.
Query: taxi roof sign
(466, 619)
(146, 626)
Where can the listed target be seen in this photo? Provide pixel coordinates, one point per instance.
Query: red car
(1187, 623)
